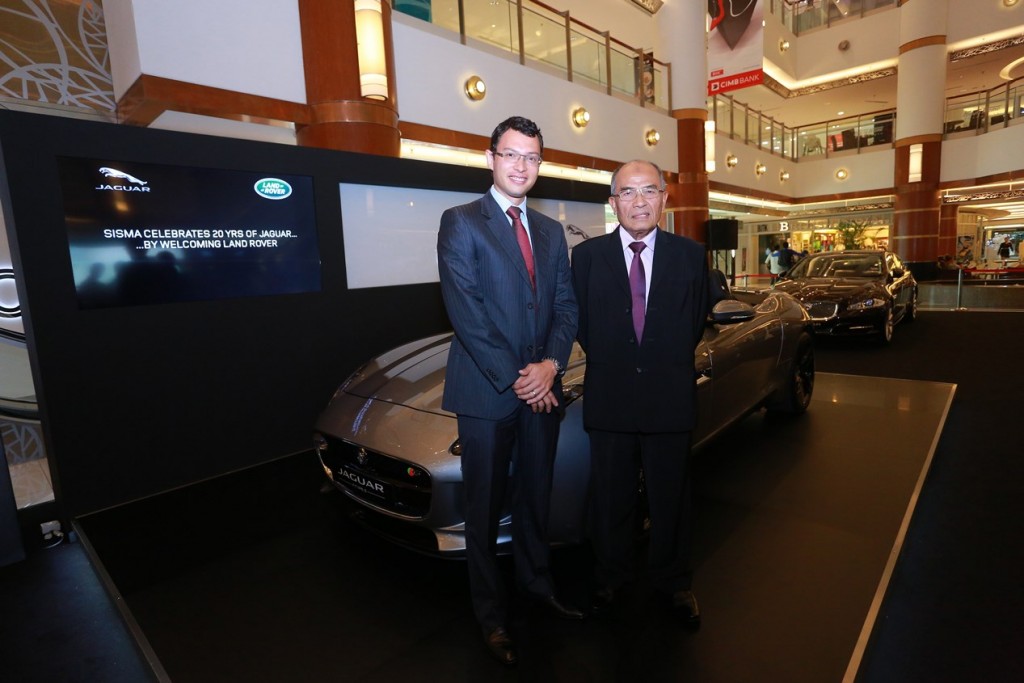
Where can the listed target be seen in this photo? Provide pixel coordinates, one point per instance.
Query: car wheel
(885, 332)
(795, 394)
(911, 314)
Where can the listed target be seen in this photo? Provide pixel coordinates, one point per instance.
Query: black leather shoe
(601, 600)
(500, 646)
(685, 608)
(558, 609)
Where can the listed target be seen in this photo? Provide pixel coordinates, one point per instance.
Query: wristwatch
(559, 370)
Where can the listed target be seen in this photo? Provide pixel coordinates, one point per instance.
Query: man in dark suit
(643, 300)
(507, 287)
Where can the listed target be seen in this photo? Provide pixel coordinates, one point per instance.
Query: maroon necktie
(524, 240)
(638, 287)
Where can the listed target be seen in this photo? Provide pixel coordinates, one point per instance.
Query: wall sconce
(731, 160)
(842, 174)
(760, 169)
(580, 117)
(652, 137)
(475, 88)
(783, 44)
(373, 71)
(914, 169)
(709, 146)
(783, 176)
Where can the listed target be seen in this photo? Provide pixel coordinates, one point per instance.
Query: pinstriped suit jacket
(500, 323)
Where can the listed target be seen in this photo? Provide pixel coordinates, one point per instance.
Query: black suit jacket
(648, 387)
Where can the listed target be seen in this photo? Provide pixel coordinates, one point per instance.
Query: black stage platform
(258, 576)
(262, 578)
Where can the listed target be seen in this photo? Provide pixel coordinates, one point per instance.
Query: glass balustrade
(548, 39)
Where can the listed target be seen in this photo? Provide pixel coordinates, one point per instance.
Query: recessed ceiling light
(840, 113)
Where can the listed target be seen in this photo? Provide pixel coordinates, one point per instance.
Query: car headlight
(867, 303)
(319, 443)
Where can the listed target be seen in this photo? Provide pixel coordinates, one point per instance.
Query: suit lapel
(498, 223)
(616, 262)
(541, 242)
(664, 258)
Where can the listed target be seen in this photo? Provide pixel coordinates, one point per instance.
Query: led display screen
(141, 233)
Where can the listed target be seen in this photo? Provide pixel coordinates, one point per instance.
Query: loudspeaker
(723, 233)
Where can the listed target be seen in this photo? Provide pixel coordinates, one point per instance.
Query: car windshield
(836, 265)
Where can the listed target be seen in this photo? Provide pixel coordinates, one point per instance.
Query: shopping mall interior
(164, 515)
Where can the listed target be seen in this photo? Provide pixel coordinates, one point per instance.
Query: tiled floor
(31, 482)
(30, 472)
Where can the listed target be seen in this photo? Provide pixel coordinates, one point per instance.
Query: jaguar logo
(362, 457)
(114, 173)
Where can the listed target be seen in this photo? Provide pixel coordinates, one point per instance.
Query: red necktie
(524, 240)
(638, 287)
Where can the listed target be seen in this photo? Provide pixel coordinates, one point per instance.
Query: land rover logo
(272, 188)
(362, 457)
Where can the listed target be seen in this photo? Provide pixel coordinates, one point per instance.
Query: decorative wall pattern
(55, 51)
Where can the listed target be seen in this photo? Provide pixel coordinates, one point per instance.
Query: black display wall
(140, 399)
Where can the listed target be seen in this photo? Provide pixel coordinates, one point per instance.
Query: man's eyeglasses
(514, 157)
(629, 193)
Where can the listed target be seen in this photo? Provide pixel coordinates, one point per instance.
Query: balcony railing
(804, 15)
(971, 114)
(837, 137)
(982, 111)
(543, 37)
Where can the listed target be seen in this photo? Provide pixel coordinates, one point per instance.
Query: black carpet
(258, 576)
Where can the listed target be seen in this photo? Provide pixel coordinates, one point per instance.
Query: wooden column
(688, 198)
(949, 215)
(915, 227)
(339, 117)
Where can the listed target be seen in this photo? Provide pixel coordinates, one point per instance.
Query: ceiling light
(914, 163)
(580, 117)
(842, 174)
(373, 73)
(476, 89)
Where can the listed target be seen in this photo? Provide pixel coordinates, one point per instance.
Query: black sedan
(386, 443)
(853, 292)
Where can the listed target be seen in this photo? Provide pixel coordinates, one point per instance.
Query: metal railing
(828, 138)
(979, 112)
(542, 37)
(805, 15)
(975, 288)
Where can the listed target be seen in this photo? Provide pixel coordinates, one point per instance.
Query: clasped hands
(534, 386)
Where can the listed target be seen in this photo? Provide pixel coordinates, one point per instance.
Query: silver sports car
(385, 442)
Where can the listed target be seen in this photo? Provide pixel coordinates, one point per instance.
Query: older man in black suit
(507, 287)
(643, 300)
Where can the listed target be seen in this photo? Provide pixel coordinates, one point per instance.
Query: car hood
(830, 289)
(411, 375)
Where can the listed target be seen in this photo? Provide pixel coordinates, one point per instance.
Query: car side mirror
(731, 311)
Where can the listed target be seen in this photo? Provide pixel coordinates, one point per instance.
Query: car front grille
(822, 310)
(377, 479)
